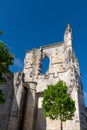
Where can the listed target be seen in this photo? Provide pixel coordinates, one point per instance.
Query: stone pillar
(30, 107)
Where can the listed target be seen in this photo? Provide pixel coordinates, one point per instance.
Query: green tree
(2, 100)
(57, 103)
(6, 59)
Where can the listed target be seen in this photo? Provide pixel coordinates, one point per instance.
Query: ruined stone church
(24, 90)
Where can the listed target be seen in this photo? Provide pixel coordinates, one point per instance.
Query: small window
(45, 65)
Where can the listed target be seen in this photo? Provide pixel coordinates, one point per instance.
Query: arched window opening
(45, 65)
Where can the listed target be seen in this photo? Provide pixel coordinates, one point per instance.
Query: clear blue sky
(32, 23)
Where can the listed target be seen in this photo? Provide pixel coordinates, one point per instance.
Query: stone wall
(5, 109)
(17, 104)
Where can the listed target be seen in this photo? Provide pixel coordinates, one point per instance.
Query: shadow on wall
(5, 108)
(41, 120)
(17, 102)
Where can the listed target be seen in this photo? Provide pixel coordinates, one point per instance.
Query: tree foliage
(2, 100)
(57, 103)
(6, 59)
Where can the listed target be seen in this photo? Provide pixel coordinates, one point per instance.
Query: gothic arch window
(45, 65)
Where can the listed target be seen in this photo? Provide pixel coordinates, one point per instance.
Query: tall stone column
(30, 106)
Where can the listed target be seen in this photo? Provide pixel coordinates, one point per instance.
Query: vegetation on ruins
(6, 59)
(57, 103)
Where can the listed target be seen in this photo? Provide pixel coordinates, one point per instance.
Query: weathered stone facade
(23, 107)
